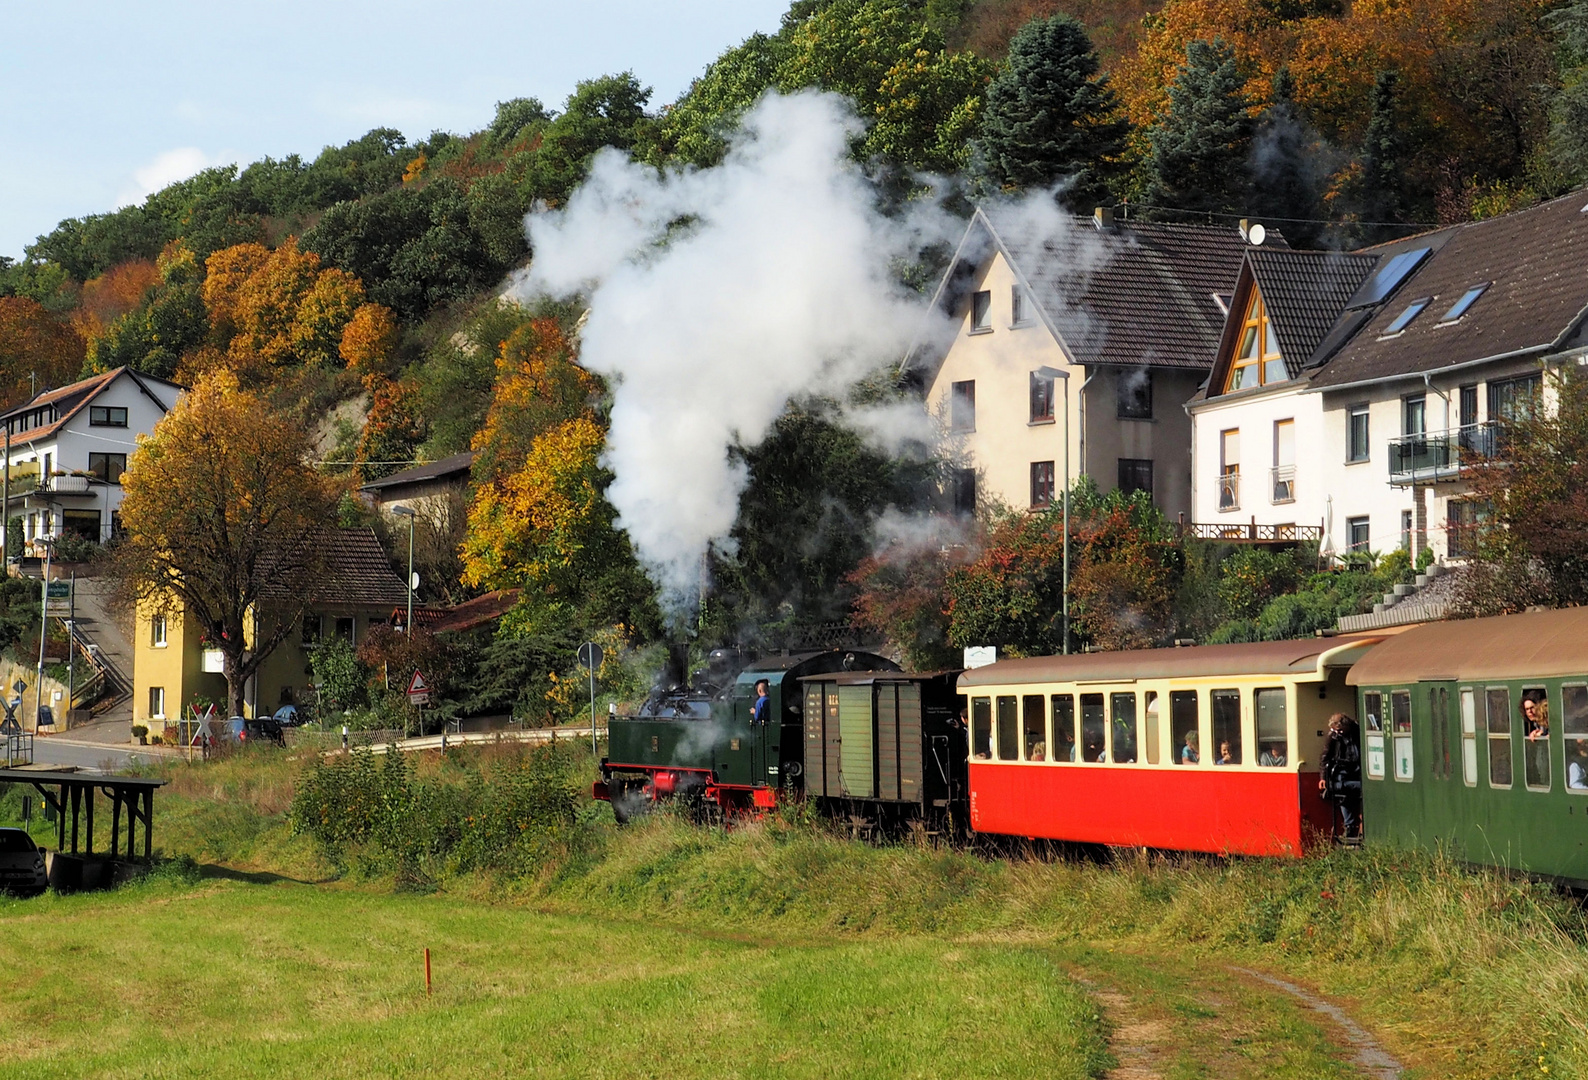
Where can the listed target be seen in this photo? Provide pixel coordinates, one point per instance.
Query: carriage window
(1183, 724)
(1063, 727)
(981, 728)
(1273, 744)
(1401, 724)
(1439, 729)
(1535, 736)
(1499, 724)
(1152, 727)
(1373, 710)
(1092, 725)
(1469, 736)
(1226, 727)
(1574, 726)
(1036, 722)
(1008, 729)
(1124, 710)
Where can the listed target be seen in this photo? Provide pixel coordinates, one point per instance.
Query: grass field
(776, 949)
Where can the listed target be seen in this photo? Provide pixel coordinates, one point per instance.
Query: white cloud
(168, 168)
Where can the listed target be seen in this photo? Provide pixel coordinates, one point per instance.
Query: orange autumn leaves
(273, 309)
(539, 505)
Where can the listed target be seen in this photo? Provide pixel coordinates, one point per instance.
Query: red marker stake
(427, 972)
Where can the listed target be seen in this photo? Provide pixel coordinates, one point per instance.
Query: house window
(1414, 415)
(1230, 469)
(157, 632)
(107, 467)
(1017, 306)
(1463, 520)
(1041, 399)
(965, 492)
(1356, 533)
(962, 406)
(1513, 399)
(1257, 361)
(1284, 478)
(1041, 484)
(1406, 530)
(106, 416)
(1133, 391)
(1469, 405)
(156, 703)
(1356, 433)
(981, 311)
(1135, 474)
(344, 627)
(313, 628)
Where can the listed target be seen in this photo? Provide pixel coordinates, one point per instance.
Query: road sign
(418, 690)
(19, 687)
(58, 598)
(591, 655)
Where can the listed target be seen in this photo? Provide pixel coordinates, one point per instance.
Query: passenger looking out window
(1226, 727)
(1035, 723)
(1535, 736)
(1273, 743)
(1063, 727)
(1092, 727)
(1574, 726)
(1183, 724)
(1008, 730)
(981, 728)
(1124, 708)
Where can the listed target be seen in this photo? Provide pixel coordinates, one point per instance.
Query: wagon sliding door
(857, 753)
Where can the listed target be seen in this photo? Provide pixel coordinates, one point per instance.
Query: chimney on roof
(1103, 217)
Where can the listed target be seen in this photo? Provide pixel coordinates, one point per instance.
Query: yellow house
(173, 664)
(1074, 340)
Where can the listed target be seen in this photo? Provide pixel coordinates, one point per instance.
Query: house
(173, 661)
(1444, 335)
(67, 448)
(1126, 315)
(429, 490)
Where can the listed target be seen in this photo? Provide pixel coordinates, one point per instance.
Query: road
(50, 751)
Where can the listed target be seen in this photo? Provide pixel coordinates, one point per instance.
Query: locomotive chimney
(677, 673)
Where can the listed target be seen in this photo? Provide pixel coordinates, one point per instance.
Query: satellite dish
(1257, 234)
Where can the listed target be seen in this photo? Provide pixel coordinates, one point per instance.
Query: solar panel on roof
(1468, 298)
(1388, 278)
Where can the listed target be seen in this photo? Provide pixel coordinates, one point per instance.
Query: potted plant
(140, 733)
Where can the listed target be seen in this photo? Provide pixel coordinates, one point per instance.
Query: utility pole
(44, 630)
(1058, 374)
(5, 513)
(71, 653)
(407, 512)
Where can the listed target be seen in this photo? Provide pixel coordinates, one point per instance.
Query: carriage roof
(1308, 656)
(1534, 644)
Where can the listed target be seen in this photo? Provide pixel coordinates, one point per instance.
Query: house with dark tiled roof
(1441, 337)
(431, 490)
(356, 590)
(66, 449)
(1074, 341)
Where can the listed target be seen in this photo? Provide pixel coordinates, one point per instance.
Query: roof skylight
(1468, 298)
(1388, 277)
(1413, 309)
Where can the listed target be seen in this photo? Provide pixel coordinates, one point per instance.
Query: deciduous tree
(37, 350)
(225, 521)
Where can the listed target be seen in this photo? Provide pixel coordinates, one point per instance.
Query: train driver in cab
(761, 710)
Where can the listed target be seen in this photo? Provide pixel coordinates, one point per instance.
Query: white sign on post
(980, 655)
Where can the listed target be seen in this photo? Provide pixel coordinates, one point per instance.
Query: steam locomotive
(1474, 738)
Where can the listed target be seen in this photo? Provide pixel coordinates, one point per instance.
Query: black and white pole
(591, 655)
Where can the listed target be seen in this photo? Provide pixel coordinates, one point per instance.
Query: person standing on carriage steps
(760, 711)
(1341, 783)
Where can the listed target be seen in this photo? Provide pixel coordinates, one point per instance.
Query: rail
(1428, 456)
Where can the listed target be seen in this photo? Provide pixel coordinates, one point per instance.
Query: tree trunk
(237, 671)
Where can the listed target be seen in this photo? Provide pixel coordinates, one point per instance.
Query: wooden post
(132, 826)
(427, 972)
(115, 823)
(60, 819)
(148, 824)
(77, 809)
(90, 846)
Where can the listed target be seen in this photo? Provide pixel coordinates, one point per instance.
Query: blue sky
(104, 103)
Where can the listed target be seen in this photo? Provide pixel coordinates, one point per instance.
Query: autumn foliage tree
(225, 519)
(36, 349)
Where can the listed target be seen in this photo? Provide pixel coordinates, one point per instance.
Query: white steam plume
(714, 296)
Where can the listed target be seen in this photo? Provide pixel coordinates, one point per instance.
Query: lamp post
(407, 512)
(1060, 375)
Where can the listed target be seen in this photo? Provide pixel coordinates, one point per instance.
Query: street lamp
(407, 512)
(1060, 375)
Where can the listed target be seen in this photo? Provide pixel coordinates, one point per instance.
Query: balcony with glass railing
(1441, 455)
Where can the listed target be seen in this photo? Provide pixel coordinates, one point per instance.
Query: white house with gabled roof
(65, 451)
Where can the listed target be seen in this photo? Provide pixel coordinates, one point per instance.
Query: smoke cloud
(715, 296)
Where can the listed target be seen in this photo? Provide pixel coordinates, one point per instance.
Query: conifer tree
(1284, 179)
(1050, 115)
(1381, 158)
(1199, 153)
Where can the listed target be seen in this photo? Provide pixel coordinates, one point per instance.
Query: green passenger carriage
(1475, 737)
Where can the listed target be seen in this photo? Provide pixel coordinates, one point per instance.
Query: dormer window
(1257, 361)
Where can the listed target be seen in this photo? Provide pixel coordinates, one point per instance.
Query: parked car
(290, 716)
(265, 729)
(21, 864)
